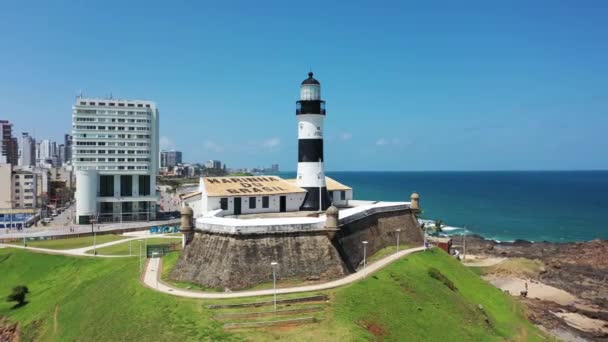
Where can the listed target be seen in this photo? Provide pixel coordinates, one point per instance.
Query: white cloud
(272, 143)
(388, 142)
(345, 136)
(166, 143)
(210, 145)
(381, 142)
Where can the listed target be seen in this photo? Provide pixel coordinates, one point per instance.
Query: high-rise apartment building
(44, 155)
(115, 155)
(8, 144)
(20, 188)
(213, 164)
(27, 150)
(170, 158)
(67, 142)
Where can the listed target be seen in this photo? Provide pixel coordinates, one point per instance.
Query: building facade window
(224, 203)
(265, 202)
(251, 202)
(106, 185)
(343, 195)
(126, 185)
(144, 185)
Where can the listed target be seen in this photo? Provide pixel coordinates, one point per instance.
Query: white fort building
(115, 155)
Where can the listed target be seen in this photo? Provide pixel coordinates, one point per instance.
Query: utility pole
(398, 233)
(274, 283)
(464, 245)
(94, 235)
(364, 256)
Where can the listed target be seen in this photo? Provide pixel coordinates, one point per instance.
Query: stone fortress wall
(237, 257)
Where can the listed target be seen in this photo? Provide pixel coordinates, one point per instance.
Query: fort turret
(187, 228)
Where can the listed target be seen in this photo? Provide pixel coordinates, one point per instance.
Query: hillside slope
(403, 303)
(102, 300)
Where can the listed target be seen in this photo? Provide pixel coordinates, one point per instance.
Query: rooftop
(332, 184)
(250, 185)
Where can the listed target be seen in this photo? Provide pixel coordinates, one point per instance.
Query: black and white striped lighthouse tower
(311, 176)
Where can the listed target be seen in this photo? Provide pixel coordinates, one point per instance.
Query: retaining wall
(241, 260)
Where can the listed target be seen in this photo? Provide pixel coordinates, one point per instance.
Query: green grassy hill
(88, 299)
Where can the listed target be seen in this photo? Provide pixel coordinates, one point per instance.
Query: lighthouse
(310, 111)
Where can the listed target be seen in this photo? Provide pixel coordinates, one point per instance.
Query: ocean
(557, 206)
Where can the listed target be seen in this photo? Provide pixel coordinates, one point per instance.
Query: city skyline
(513, 88)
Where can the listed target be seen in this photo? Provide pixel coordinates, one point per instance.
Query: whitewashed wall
(294, 201)
(335, 197)
(195, 202)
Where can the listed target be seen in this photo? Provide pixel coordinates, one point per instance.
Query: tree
(18, 295)
(438, 225)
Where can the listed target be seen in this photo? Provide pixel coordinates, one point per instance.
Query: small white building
(223, 196)
(249, 195)
(339, 194)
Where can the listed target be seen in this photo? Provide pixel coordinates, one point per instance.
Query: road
(66, 218)
(151, 280)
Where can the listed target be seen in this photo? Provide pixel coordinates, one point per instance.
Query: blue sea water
(555, 206)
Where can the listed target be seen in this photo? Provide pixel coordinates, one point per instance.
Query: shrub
(435, 273)
(18, 295)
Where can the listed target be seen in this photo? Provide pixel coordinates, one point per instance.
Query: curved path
(151, 280)
(83, 250)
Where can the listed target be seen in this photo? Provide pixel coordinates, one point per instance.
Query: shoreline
(456, 231)
(567, 282)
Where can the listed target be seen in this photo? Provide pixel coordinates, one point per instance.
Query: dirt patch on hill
(377, 330)
(9, 332)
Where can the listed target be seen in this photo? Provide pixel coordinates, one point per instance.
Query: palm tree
(438, 224)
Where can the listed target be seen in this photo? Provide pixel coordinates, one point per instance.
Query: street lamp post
(139, 256)
(398, 233)
(274, 282)
(94, 235)
(364, 255)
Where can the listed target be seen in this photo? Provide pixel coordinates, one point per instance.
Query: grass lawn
(87, 299)
(519, 267)
(72, 243)
(403, 303)
(123, 248)
(386, 251)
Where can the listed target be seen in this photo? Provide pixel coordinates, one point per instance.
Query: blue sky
(473, 85)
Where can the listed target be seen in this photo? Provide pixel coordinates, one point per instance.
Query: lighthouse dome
(310, 80)
(310, 90)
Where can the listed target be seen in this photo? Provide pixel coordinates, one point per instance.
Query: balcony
(310, 107)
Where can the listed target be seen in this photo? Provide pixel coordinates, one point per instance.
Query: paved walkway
(151, 279)
(83, 250)
(82, 229)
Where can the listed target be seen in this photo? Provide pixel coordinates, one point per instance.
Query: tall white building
(27, 150)
(115, 155)
(44, 155)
